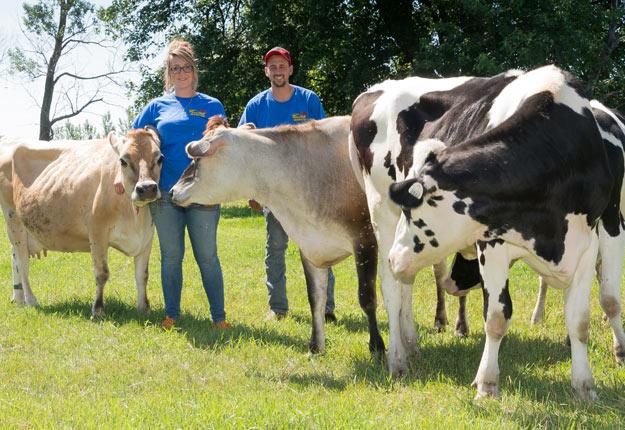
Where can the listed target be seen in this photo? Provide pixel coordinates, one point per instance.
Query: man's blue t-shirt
(265, 111)
(179, 120)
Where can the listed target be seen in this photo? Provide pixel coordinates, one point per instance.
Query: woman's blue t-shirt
(179, 120)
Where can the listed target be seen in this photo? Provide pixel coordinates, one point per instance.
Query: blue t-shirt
(265, 111)
(179, 120)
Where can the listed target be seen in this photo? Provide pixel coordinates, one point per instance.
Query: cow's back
(55, 186)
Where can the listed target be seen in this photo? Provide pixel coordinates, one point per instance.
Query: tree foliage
(341, 47)
(54, 28)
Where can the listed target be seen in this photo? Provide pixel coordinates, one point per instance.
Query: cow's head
(140, 161)
(210, 174)
(434, 223)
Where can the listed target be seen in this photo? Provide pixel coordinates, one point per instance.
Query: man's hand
(255, 205)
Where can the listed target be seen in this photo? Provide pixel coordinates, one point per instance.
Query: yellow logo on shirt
(197, 112)
(299, 117)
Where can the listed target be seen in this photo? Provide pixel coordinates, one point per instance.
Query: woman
(180, 117)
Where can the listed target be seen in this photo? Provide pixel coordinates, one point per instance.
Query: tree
(54, 28)
(341, 47)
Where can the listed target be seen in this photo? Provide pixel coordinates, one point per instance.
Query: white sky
(19, 112)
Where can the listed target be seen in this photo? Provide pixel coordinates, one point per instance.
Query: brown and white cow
(514, 162)
(59, 196)
(303, 174)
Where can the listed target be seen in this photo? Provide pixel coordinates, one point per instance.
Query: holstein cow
(514, 162)
(303, 174)
(59, 196)
(611, 231)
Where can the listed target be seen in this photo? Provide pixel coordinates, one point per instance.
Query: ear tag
(204, 145)
(416, 190)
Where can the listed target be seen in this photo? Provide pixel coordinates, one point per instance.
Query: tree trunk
(45, 125)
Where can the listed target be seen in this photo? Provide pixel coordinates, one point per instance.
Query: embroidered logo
(198, 112)
(299, 117)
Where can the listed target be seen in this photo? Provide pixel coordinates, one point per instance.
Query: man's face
(278, 70)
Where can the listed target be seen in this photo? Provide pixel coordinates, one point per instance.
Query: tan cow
(59, 196)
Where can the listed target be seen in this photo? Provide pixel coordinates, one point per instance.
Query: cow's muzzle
(145, 192)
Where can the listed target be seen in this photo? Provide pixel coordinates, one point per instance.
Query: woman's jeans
(201, 222)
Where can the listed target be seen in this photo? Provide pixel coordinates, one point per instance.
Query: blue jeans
(275, 267)
(201, 221)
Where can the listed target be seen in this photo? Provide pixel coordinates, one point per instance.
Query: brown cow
(59, 196)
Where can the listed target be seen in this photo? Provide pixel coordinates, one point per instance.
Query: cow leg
(440, 274)
(462, 325)
(494, 263)
(141, 278)
(99, 250)
(317, 287)
(538, 316)
(577, 319)
(22, 293)
(366, 260)
(609, 273)
(18, 291)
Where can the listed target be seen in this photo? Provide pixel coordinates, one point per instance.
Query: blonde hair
(182, 49)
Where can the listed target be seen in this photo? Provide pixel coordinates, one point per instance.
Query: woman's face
(182, 80)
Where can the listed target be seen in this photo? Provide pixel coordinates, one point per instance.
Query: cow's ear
(115, 142)
(205, 147)
(408, 194)
(154, 132)
(247, 126)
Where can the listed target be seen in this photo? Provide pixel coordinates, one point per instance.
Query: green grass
(60, 369)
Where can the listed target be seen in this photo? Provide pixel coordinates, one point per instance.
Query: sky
(19, 111)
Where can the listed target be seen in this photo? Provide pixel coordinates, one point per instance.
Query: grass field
(60, 369)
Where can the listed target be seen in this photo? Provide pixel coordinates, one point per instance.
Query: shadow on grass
(353, 323)
(239, 212)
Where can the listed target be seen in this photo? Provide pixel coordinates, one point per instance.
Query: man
(283, 103)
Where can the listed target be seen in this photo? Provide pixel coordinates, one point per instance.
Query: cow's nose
(146, 189)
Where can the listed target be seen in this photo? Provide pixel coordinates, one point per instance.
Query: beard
(280, 84)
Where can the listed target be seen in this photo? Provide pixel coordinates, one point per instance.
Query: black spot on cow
(612, 217)
(390, 167)
(465, 272)
(506, 301)
(363, 129)
(432, 202)
(418, 245)
(419, 223)
(429, 233)
(434, 243)
(460, 207)
(482, 259)
(409, 125)
(485, 295)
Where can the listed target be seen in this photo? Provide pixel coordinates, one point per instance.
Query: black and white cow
(611, 231)
(515, 163)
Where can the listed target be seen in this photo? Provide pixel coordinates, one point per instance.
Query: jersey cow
(303, 174)
(515, 163)
(59, 196)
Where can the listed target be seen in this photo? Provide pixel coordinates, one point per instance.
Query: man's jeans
(201, 222)
(275, 267)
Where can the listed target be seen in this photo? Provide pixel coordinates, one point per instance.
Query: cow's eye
(123, 162)
(160, 160)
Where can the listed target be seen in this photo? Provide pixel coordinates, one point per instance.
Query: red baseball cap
(278, 51)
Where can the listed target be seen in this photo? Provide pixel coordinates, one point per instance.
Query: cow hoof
(144, 309)
(585, 390)
(462, 328)
(377, 345)
(398, 369)
(97, 313)
(619, 355)
(314, 348)
(440, 325)
(486, 390)
(18, 299)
